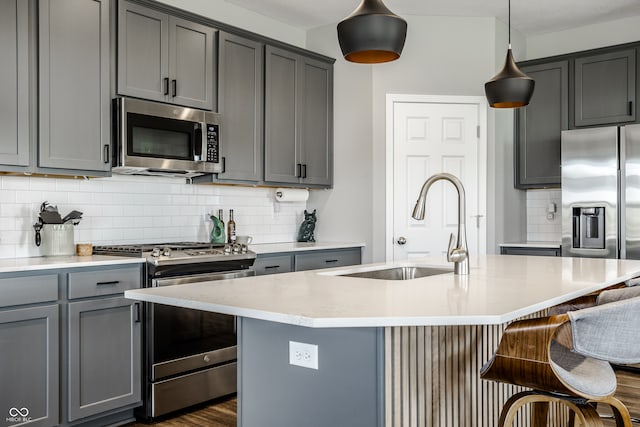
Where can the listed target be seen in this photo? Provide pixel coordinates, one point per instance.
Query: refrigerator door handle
(622, 196)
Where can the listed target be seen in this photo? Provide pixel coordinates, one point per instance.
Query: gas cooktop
(178, 252)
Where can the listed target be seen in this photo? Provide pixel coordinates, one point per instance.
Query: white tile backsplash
(138, 209)
(539, 228)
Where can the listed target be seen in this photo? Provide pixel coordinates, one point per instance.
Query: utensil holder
(58, 240)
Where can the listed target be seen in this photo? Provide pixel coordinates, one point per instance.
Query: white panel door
(429, 138)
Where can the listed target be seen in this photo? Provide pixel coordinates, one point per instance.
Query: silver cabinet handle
(402, 240)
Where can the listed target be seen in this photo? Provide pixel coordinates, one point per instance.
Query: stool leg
(586, 415)
(539, 414)
(620, 412)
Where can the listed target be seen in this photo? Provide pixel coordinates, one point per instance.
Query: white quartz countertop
(498, 289)
(270, 248)
(531, 244)
(11, 265)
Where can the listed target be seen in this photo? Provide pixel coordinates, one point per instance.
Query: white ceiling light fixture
(372, 34)
(510, 88)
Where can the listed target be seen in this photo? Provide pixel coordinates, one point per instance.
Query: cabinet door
(143, 52)
(539, 125)
(75, 105)
(272, 264)
(327, 259)
(191, 52)
(241, 87)
(605, 88)
(14, 85)
(282, 88)
(316, 138)
(104, 355)
(29, 366)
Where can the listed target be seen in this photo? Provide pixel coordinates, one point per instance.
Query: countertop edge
(284, 247)
(17, 265)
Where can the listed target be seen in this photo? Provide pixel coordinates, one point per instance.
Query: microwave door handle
(200, 140)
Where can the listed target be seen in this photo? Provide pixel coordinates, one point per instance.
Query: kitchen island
(389, 352)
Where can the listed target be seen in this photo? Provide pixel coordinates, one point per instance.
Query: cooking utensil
(37, 227)
(71, 216)
(50, 217)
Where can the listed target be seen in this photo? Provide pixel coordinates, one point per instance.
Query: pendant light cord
(509, 20)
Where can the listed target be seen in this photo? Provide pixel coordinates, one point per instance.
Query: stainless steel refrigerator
(601, 192)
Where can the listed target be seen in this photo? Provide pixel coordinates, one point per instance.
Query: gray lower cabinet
(273, 264)
(165, 58)
(517, 250)
(298, 119)
(14, 85)
(327, 259)
(29, 366)
(306, 260)
(70, 350)
(241, 95)
(104, 341)
(74, 85)
(104, 356)
(605, 88)
(538, 126)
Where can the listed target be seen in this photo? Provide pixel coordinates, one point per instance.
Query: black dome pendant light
(372, 34)
(510, 88)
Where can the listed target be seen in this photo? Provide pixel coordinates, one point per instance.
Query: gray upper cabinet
(165, 58)
(14, 85)
(298, 119)
(539, 125)
(74, 85)
(605, 88)
(317, 122)
(241, 94)
(282, 91)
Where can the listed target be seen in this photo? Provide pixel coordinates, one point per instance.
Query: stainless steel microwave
(151, 138)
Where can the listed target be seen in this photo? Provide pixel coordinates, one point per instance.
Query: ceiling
(529, 17)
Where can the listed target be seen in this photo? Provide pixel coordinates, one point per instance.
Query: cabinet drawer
(28, 290)
(85, 284)
(334, 258)
(273, 264)
(509, 250)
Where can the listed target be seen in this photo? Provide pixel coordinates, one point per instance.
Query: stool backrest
(609, 331)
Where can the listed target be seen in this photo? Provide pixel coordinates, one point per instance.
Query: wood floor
(221, 413)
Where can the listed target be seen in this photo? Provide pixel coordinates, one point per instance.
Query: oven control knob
(207, 358)
(166, 252)
(155, 252)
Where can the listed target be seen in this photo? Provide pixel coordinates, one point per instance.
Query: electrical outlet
(305, 355)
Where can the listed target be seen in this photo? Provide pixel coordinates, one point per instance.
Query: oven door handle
(207, 277)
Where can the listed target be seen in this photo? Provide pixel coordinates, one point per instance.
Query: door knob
(402, 240)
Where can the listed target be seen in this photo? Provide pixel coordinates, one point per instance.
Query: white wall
(132, 209)
(231, 14)
(583, 38)
(344, 213)
(539, 227)
(450, 56)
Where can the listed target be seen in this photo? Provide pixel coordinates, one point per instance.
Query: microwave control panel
(212, 143)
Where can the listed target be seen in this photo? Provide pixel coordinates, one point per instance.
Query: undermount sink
(399, 273)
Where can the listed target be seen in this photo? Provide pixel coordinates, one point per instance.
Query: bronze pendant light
(510, 88)
(372, 34)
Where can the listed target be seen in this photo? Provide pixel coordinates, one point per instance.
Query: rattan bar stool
(566, 358)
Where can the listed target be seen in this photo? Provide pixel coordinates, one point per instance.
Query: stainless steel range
(190, 356)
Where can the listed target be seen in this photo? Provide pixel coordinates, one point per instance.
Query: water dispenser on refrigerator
(588, 227)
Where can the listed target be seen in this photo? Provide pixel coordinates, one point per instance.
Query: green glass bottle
(217, 232)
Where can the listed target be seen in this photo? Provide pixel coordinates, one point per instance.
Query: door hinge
(478, 131)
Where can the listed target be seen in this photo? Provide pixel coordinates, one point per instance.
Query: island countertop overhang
(499, 288)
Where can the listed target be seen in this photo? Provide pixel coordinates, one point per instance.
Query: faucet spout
(457, 253)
